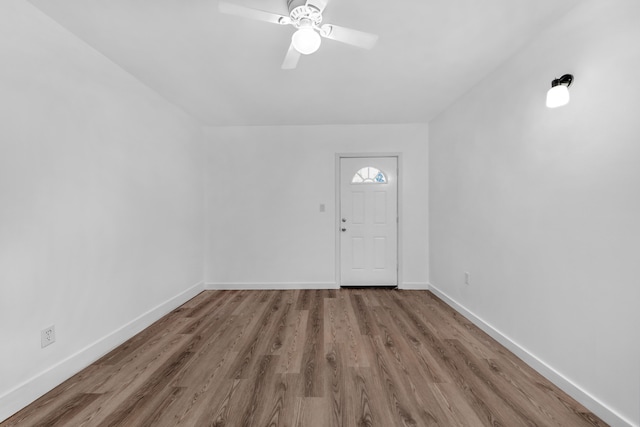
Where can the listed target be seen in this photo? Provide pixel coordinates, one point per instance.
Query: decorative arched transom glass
(369, 175)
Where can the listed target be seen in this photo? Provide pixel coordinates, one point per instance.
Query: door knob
(344, 229)
(344, 219)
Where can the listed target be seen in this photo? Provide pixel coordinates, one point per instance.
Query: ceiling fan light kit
(306, 17)
(306, 41)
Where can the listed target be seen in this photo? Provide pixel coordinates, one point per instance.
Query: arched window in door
(369, 175)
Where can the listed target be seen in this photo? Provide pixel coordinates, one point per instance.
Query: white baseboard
(228, 286)
(30, 390)
(414, 286)
(253, 286)
(597, 407)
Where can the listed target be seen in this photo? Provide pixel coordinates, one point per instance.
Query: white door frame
(338, 225)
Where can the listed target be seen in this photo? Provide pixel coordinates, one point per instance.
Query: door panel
(368, 221)
(380, 207)
(358, 212)
(380, 250)
(357, 253)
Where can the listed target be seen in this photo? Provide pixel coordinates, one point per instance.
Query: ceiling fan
(306, 17)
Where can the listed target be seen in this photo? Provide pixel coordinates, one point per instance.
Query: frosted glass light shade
(558, 96)
(306, 40)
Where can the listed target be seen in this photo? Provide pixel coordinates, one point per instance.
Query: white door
(368, 221)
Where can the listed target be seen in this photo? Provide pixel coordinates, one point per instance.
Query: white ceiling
(225, 70)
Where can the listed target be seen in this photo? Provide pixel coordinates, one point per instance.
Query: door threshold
(369, 286)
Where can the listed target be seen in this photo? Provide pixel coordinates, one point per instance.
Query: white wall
(542, 206)
(100, 204)
(264, 189)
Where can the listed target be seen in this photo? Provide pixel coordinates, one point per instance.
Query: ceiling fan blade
(349, 36)
(291, 60)
(245, 12)
(320, 4)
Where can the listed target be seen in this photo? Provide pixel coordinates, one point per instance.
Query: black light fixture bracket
(566, 80)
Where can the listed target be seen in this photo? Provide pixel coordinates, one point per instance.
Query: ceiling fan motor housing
(300, 10)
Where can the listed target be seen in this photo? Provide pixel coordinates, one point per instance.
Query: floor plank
(308, 358)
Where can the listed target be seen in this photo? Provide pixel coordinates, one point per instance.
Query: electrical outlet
(467, 278)
(48, 336)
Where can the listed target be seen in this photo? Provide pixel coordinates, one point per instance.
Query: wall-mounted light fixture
(558, 95)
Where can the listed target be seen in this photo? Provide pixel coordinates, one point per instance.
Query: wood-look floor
(314, 358)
